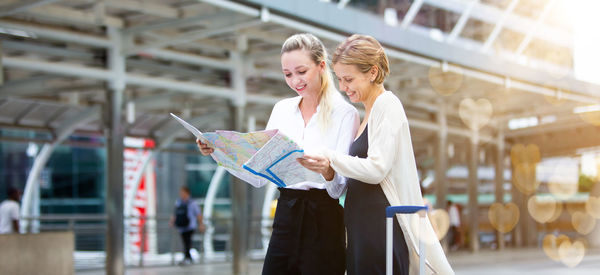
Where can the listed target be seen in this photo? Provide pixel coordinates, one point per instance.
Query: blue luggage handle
(390, 211)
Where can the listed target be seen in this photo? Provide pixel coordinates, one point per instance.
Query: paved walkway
(510, 261)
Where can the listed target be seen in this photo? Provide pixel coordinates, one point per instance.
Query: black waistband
(319, 195)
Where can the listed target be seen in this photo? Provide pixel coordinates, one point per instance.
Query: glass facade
(73, 181)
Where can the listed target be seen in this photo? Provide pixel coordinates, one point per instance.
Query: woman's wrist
(329, 175)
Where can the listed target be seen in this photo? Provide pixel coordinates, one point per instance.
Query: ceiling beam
(60, 68)
(30, 108)
(562, 124)
(411, 13)
(563, 142)
(58, 34)
(499, 25)
(520, 24)
(47, 50)
(462, 22)
(193, 36)
(22, 5)
(473, 63)
(25, 86)
(145, 7)
(538, 23)
(187, 58)
(76, 70)
(174, 23)
(65, 14)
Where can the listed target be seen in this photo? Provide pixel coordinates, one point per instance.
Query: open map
(267, 154)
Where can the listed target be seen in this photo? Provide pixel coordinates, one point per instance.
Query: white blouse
(343, 124)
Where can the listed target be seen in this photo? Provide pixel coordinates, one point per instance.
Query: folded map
(267, 154)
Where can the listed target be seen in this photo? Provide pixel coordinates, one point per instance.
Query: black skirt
(365, 220)
(308, 235)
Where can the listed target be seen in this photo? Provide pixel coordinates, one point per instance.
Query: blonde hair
(318, 54)
(364, 51)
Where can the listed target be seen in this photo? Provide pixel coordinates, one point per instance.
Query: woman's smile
(300, 88)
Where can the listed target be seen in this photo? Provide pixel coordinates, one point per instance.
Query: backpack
(181, 215)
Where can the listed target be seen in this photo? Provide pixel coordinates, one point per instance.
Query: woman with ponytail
(308, 230)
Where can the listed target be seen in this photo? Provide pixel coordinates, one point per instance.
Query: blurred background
(502, 97)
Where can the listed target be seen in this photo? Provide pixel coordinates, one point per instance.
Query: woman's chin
(304, 92)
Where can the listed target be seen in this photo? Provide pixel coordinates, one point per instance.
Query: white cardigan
(391, 163)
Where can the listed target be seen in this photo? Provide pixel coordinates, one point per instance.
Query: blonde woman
(308, 230)
(381, 168)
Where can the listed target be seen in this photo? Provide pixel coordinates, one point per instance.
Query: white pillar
(114, 131)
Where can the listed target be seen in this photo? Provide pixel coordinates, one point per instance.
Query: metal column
(517, 197)
(441, 165)
(240, 210)
(441, 162)
(530, 224)
(473, 205)
(239, 206)
(114, 140)
(499, 182)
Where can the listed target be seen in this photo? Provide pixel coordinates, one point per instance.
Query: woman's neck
(308, 107)
(309, 103)
(373, 94)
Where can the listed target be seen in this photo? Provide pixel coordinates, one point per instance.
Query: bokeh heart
(524, 178)
(525, 159)
(424, 234)
(503, 217)
(542, 210)
(557, 212)
(592, 206)
(551, 243)
(563, 191)
(444, 83)
(571, 254)
(475, 114)
(520, 153)
(573, 207)
(583, 222)
(440, 220)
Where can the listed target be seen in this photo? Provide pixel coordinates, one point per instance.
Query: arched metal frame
(30, 198)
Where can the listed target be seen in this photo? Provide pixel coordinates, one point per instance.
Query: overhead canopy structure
(141, 60)
(179, 59)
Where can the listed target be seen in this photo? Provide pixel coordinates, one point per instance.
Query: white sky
(586, 55)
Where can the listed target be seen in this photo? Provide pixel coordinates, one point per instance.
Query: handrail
(89, 229)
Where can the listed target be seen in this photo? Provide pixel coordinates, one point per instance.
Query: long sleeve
(345, 136)
(384, 132)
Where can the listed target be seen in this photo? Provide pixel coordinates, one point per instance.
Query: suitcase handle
(390, 211)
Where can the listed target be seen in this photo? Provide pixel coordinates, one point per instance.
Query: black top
(365, 220)
(367, 194)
